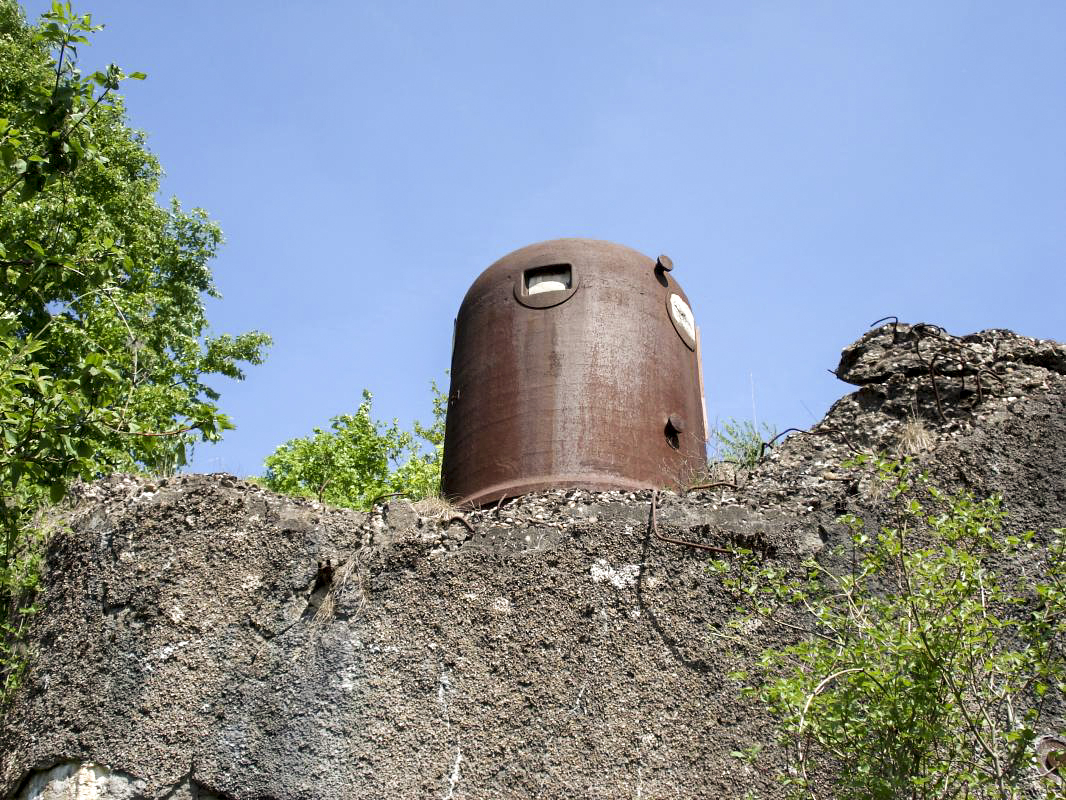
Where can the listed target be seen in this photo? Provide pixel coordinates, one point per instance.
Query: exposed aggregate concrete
(207, 638)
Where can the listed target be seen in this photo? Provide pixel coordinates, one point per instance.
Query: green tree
(360, 459)
(928, 662)
(103, 335)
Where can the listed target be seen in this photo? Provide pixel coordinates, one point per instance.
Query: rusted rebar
(460, 519)
(919, 330)
(895, 325)
(714, 485)
(654, 526)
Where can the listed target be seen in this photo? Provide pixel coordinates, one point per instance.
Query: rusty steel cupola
(575, 364)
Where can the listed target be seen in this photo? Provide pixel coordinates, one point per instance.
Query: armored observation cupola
(575, 364)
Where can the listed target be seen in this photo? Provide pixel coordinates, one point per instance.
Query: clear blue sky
(809, 166)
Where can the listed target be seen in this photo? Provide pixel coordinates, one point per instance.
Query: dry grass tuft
(914, 438)
(435, 508)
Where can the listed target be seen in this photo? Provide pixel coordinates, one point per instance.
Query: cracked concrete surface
(203, 638)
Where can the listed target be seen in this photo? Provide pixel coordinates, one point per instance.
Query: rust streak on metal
(699, 375)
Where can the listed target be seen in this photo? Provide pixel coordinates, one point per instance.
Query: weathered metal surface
(594, 383)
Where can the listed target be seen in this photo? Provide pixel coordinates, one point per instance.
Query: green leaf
(114, 295)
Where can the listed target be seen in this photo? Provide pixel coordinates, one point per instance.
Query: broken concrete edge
(788, 503)
(916, 358)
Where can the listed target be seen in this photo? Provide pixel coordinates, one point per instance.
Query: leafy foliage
(103, 351)
(926, 667)
(360, 459)
(740, 442)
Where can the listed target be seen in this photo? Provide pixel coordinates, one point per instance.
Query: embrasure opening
(552, 278)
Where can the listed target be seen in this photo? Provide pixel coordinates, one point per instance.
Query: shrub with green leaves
(740, 442)
(926, 663)
(104, 345)
(360, 459)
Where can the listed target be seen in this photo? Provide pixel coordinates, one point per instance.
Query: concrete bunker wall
(204, 638)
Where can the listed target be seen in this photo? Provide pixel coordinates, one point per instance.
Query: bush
(741, 442)
(360, 459)
(926, 665)
(104, 344)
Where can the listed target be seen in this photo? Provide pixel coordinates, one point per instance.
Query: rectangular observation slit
(553, 278)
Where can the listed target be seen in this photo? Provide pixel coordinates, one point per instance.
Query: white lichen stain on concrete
(749, 626)
(577, 708)
(251, 582)
(444, 685)
(623, 577)
(501, 605)
(348, 679)
(453, 779)
(169, 650)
